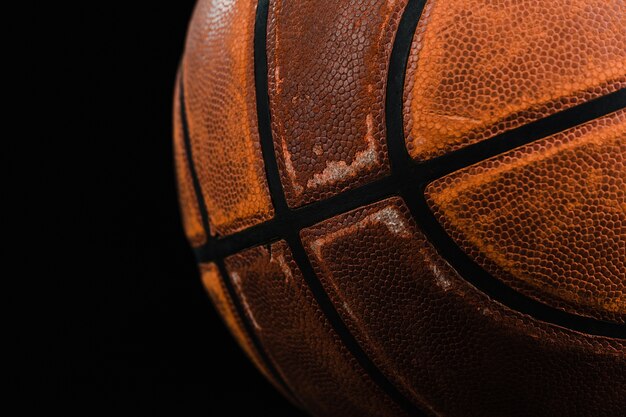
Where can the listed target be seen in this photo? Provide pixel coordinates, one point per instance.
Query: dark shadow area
(115, 321)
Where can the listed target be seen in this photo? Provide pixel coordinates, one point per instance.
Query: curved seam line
(287, 221)
(414, 182)
(420, 174)
(409, 180)
(263, 357)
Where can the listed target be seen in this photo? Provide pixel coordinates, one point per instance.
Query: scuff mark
(390, 217)
(278, 81)
(339, 170)
(237, 281)
(440, 278)
(291, 171)
(316, 247)
(349, 311)
(284, 267)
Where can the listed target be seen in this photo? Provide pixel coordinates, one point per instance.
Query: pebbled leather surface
(445, 343)
(218, 70)
(481, 67)
(476, 69)
(192, 221)
(214, 285)
(298, 338)
(327, 72)
(549, 219)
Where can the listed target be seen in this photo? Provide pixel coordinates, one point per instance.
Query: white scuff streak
(284, 267)
(441, 280)
(217, 10)
(237, 281)
(290, 169)
(390, 217)
(339, 170)
(349, 311)
(316, 247)
(277, 79)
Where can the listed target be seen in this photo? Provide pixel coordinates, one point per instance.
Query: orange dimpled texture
(481, 67)
(221, 111)
(413, 207)
(549, 217)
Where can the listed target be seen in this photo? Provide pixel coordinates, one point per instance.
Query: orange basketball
(411, 207)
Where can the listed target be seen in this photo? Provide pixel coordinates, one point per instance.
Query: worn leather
(299, 339)
(546, 219)
(481, 67)
(448, 346)
(218, 74)
(215, 287)
(327, 77)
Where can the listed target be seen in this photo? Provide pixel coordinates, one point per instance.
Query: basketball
(413, 207)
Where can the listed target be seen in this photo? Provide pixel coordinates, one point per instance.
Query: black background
(112, 319)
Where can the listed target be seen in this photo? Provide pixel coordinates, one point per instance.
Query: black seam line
(405, 171)
(422, 173)
(299, 218)
(288, 222)
(219, 262)
(409, 179)
(263, 356)
(341, 329)
(263, 111)
(435, 168)
(192, 167)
